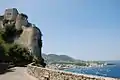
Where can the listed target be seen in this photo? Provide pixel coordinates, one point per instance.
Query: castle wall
(1, 25)
(29, 39)
(36, 37)
(20, 21)
(10, 14)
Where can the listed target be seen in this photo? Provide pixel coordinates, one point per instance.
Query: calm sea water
(106, 71)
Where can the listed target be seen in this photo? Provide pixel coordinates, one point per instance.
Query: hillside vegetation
(12, 53)
(56, 58)
(64, 59)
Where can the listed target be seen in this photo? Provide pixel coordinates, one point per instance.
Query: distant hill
(64, 59)
(57, 58)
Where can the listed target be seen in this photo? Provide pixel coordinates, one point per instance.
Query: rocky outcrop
(24, 33)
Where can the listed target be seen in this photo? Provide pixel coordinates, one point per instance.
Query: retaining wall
(49, 74)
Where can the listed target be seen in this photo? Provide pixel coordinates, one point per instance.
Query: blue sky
(83, 29)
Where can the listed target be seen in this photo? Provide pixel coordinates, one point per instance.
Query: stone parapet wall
(49, 74)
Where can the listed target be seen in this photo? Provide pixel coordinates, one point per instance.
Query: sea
(105, 71)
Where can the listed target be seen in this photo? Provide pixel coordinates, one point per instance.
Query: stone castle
(27, 34)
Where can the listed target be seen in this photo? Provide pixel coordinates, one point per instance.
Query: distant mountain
(57, 58)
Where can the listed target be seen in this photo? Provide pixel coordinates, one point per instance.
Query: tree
(19, 55)
(15, 54)
(2, 55)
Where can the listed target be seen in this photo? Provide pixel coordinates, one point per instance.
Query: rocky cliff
(21, 31)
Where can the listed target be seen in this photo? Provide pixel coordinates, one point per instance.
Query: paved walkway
(16, 73)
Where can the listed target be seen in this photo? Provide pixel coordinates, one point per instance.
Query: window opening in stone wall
(9, 13)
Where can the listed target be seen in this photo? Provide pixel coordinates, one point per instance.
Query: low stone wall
(48, 74)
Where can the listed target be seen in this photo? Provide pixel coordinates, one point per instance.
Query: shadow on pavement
(4, 68)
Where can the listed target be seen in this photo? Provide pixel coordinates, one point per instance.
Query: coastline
(69, 66)
(90, 70)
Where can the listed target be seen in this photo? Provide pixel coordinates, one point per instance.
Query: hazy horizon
(82, 29)
(80, 59)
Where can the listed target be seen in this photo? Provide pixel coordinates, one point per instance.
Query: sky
(82, 29)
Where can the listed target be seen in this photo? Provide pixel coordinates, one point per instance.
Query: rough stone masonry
(49, 74)
(27, 34)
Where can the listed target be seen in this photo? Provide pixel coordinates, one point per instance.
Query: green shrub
(13, 53)
(2, 55)
(19, 55)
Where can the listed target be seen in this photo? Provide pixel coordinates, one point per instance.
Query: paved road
(17, 73)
